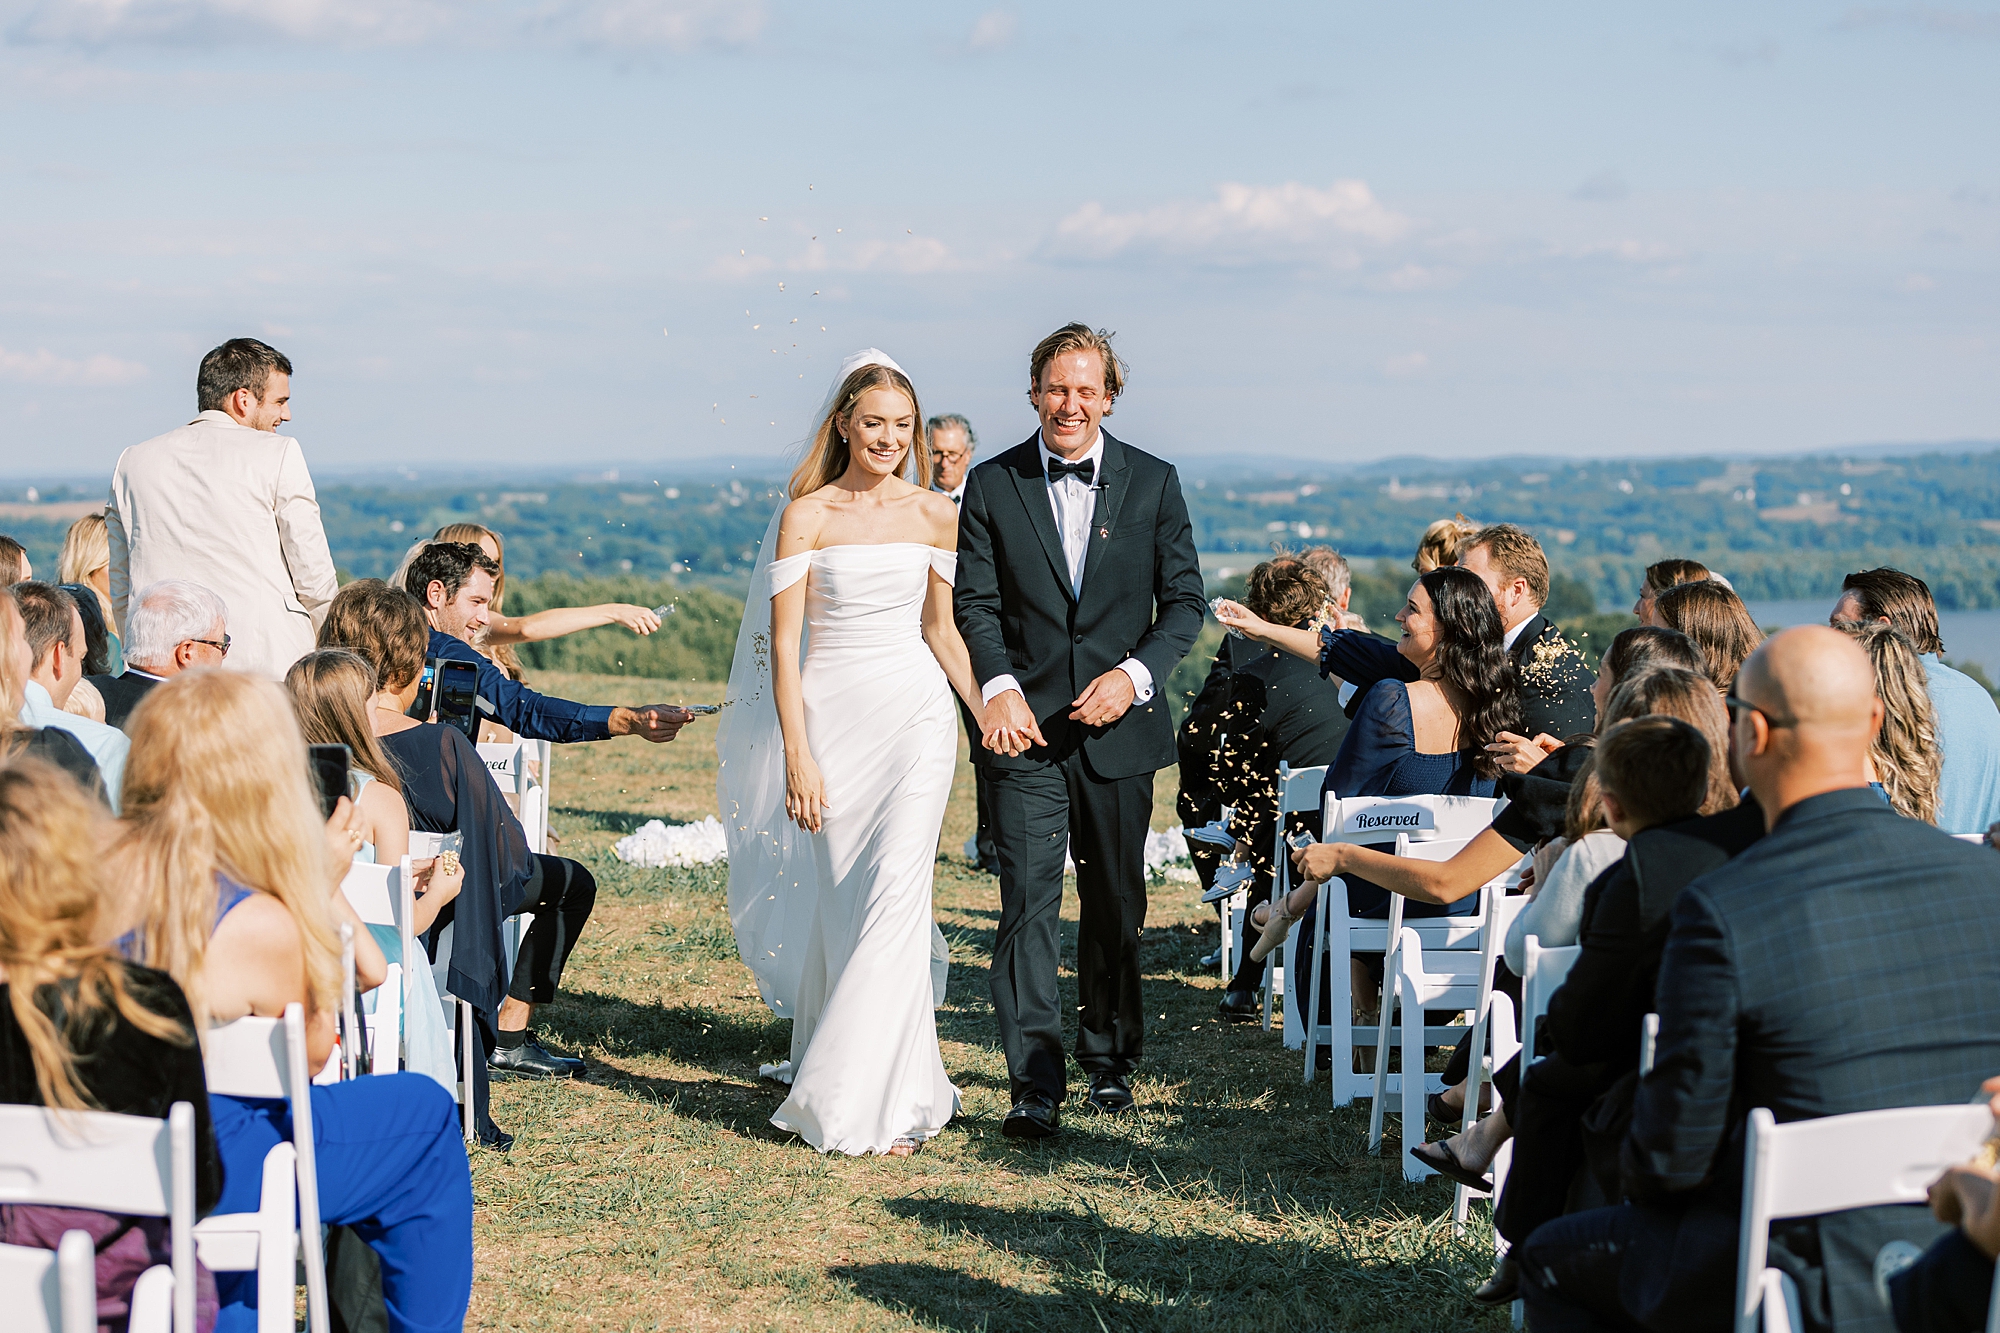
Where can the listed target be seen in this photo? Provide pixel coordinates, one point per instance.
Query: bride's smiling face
(880, 430)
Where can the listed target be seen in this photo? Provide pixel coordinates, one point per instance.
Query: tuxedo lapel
(1115, 481)
(1033, 488)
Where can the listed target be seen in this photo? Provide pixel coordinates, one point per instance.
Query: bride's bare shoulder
(940, 516)
(800, 525)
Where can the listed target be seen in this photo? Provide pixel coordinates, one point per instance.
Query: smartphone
(425, 703)
(458, 696)
(699, 710)
(330, 764)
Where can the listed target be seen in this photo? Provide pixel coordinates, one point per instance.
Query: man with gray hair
(171, 626)
(227, 501)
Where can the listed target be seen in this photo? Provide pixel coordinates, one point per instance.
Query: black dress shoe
(1503, 1286)
(530, 1059)
(1110, 1093)
(1240, 1006)
(1033, 1117)
(496, 1138)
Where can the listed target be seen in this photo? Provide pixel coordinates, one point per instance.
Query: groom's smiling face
(1071, 401)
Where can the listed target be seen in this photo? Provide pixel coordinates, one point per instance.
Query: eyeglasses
(1773, 720)
(222, 647)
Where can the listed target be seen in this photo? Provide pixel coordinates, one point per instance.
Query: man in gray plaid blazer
(1848, 961)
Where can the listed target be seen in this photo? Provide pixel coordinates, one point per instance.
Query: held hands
(655, 722)
(1008, 726)
(805, 793)
(1105, 701)
(1518, 754)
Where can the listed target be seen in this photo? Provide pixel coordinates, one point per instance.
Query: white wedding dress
(837, 925)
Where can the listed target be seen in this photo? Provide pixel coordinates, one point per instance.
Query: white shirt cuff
(1142, 679)
(1346, 693)
(999, 685)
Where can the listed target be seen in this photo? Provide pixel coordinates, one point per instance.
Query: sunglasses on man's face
(222, 647)
(1774, 721)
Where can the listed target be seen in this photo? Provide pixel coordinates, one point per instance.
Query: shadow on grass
(706, 1038)
(1169, 1276)
(620, 822)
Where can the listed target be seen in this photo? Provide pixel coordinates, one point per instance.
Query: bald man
(1847, 961)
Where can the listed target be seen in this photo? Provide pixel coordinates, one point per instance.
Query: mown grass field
(656, 1195)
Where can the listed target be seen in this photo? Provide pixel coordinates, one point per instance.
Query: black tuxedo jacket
(1142, 598)
(122, 694)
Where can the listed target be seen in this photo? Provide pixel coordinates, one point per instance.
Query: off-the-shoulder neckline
(841, 546)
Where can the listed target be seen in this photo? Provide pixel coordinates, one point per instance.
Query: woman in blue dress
(1426, 737)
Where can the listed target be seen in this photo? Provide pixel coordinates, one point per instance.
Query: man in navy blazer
(1848, 961)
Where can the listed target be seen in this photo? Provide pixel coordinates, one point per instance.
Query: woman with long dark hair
(1426, 737)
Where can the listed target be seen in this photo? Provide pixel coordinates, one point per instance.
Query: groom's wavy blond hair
(828, 455)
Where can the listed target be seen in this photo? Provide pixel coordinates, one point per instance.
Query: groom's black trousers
(1036, 811)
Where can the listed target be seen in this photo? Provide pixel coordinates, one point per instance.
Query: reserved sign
(1393, 819)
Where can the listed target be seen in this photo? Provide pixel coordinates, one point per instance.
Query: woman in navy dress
(1425, 737)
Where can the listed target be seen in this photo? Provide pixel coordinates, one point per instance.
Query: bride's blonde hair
(218, 780)
(828, 454)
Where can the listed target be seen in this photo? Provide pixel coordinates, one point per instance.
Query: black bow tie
(1083, 470)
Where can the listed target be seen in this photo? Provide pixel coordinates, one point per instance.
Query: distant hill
(1777, 527)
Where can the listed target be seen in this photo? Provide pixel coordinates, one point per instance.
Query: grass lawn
(657, 1195)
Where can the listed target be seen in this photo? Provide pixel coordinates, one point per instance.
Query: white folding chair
(1298, 792)
(127, 1164)
(1810, 1167)
(266, 1057)
(1493, 1042)
(1546, 969)
(513, 765)
(384, 895)
(1375, 820)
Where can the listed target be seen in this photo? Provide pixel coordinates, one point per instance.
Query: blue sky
(556, 232)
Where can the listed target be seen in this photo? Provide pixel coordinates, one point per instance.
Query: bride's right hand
(805, 793)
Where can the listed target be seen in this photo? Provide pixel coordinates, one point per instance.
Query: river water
(1969, 636)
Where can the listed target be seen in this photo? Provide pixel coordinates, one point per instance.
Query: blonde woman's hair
(13, 691)
(502, 654)
(218, 781)
(827, 456)
(65, 987)
(1441, 543)
(1692, 697)
(86, 549)
(330, 690)
(1906, 750)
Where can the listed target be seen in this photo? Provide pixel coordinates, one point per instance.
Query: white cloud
(44, 367)
(1242, 223)
(1406, 365)
(995, 29)
(671, 24)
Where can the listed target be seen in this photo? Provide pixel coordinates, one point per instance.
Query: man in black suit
(952, 445)
(1555, 680)
(171, 626)
(1847, 961)
(1078, 593)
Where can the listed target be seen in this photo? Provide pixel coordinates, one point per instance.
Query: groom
(1078, 592)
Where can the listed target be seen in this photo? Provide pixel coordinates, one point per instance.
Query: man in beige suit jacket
(227, 502)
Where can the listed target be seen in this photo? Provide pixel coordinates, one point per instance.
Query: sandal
(1435, 1108)
(1440, 1158)
(903, 1147)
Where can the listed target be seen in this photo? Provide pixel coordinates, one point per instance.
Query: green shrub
(695, 642)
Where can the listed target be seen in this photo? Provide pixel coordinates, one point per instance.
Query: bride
(835, 770)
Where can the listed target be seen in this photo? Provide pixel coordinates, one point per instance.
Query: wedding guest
(330, 689)
(14, 562)
(1949, 1287)
(447, 790)
(952, 446)
(1759, 1007)
(1278, 711)
(1424, 737)
(56, 746)
(1441, 543)
(497, 640)
(170, 626)
(1660, 576)
(453, 582)
(237, 878)
(1630, 649)
(80, 1029)
(1716, 621)
(1903, 762)
(227, 502)
(1334, 571)
(1968, 721)
(53, 627)
(97, 638)
(86, 559)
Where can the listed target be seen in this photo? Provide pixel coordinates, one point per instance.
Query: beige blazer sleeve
(121, 554)
(301, 535)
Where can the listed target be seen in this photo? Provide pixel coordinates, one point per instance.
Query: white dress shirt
(107, 745)
(1075, 505)
(957, 494)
